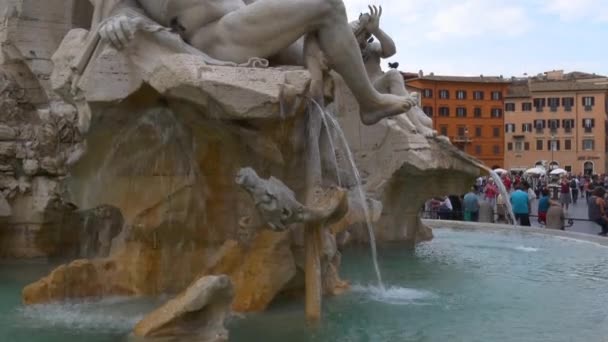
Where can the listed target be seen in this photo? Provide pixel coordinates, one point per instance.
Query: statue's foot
(387, 105)
(427, 132)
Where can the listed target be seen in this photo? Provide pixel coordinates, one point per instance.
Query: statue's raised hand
(373, 23)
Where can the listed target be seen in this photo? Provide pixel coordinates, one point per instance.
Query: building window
(568, 168)
(539, 125)
(477, 112)
(444, 111)
(526, 146)
(553, 103)
(444, 94)
(496, 150)
(509, 128)
(462, 131)
(539, 104)
(478, 131)
(509, 146)
(509, 107)
(427, 93)
(568, 125)
(497, 112)
(553, 145)
(496, 132)
(568, 103)
(588, 102)
(443, 130)
(553, 125)
(519, 146)
(588, 144)
(461, 94)
(526, 128)
(567, 144)
(428, 111)
(588, 124)
(496, 96)
(461, 112)
(539, 145)
(478, 95)
(477, 149)
(526, 106)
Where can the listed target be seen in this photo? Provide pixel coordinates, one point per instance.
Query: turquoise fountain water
(462, 286)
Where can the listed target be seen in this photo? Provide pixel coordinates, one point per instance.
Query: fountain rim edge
(493, 227)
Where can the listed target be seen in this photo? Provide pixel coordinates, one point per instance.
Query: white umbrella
(499, 171)
(536, 171)
(558, 171)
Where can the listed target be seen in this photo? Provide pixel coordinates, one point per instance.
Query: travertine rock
(267, 268)
(198, 313)
(79, 279)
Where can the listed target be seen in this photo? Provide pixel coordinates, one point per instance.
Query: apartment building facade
(557, 120)
(468, 110)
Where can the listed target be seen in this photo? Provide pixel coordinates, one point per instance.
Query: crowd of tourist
(552, 195)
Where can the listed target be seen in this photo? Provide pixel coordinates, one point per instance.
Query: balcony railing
(463, 139)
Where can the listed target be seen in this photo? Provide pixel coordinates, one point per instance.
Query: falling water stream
(504, 193)
(362, 198)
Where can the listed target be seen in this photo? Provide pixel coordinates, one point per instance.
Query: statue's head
(246, 177)
(361, 33)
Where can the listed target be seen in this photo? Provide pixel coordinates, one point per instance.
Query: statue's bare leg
(266, 27)
(393, 83)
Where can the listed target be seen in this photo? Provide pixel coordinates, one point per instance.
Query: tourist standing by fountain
(574, 185)
(543, 206)
(491, 192)
(471, 206)
(597, 209)
(555, 216)
(521, 206)
(565, 197)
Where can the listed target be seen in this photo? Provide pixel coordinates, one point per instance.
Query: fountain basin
(495, 283)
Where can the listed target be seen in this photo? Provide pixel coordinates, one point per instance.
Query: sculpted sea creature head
(247, 178)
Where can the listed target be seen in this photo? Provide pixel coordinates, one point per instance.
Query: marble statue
(376, 45)
(237, 30)
(278, 206)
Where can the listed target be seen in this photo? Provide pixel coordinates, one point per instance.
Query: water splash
(394, 295)
(115, 314)
(526, 249)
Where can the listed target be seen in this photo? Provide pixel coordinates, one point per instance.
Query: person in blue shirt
(543, 206)
(471, 206)
(521, 207)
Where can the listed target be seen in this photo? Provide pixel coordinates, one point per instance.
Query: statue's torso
(372, 60)
(191, 15)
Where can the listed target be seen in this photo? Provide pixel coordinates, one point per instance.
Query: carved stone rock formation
(165, 135)
(198, 313)
(278, 207)
(38, 135)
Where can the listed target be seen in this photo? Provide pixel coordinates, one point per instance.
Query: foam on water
(526, 249)
(109, 315)
(393, 294)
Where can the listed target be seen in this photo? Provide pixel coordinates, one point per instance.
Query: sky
(494, 37)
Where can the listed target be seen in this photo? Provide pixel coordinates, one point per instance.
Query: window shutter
(592, 121)
(558, 143)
